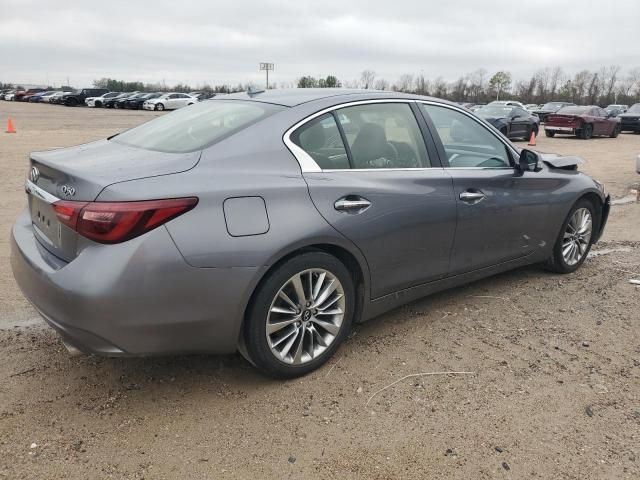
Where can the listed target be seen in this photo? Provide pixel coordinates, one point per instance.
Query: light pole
(266, 67)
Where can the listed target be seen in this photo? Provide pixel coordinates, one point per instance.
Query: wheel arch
(354, 262)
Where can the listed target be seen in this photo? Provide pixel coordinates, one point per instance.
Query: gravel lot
(554, 393)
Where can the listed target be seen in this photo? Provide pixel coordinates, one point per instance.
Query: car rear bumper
(559, 129)
(135, 298)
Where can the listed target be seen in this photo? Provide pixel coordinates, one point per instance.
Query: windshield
(494, 111)
(573, 110)
(196, 127)
(634, 108)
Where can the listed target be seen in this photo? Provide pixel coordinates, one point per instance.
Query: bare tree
(381, 84)
(367, 78)
(440, 88)
(405, 83)
(580, 83)
(421, 84)
(556, 79)
(477, 81)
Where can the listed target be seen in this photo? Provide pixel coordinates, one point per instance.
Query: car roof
(291, 97)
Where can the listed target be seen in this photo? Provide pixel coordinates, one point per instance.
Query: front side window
(195, 128)
(466, 142)
(383, 135)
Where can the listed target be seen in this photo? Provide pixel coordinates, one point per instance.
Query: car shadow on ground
(147, 378)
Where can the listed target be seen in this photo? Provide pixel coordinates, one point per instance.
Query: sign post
(266, 67)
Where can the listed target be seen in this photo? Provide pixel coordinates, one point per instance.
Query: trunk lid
(79, 174)
(562, 120)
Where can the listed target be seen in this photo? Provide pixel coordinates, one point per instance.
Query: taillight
(115, 222)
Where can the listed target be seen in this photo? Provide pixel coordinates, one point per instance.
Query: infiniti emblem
(68, 191)
(34, 174)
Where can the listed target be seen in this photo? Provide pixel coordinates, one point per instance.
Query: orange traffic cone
(532, 140)
(10, 127)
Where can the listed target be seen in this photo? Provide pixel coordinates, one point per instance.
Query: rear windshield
(573, 110)
(196, 127)
(634, 108)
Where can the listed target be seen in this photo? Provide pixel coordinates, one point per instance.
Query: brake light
(115, 222)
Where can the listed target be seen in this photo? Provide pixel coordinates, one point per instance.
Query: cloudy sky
(223, 41)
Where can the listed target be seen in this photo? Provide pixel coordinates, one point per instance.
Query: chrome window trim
(308, 164)
(475, 119)
(32, 189)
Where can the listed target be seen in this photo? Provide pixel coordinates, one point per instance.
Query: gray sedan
(269, 222)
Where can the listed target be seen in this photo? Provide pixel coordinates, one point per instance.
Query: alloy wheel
(577, 236)
(305, 316)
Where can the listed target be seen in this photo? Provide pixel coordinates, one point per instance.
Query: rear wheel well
(341, 254)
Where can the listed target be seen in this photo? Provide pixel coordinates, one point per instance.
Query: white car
(9, 96)
(98, 102)
(46, 97)
(169, 101)
(507, 103)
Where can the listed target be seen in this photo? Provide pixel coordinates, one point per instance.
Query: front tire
(616, 131)
(159, 107)
(550, 133)
(575, 238)
(299, 315)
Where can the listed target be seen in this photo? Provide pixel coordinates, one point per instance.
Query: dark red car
(23, 96)
(583, 122)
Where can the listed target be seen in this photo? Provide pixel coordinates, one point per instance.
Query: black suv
(73, 99)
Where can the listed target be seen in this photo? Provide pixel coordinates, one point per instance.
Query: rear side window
(196, 127)
(321, 139)
(383, 135)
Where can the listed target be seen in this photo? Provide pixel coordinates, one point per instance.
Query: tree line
(604, 86)
(599, 87)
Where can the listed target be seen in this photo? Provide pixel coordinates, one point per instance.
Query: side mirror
(529, 161)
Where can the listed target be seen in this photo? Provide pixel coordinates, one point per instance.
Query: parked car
(513, 122)
(121, 102)
(477, 107)
(111, 102)
(5, 92)
(56, 98)
(507, 103)
(35, 98)
(551, 107)
(74, 99)
(135, 103)
(532, 107)
(47, 96)
(10, 96)
(617, 108)
(630, 121)
(23, 95)
(98, 102)
(201, 95)
(259, 223)
(169, 101)
(583, 122)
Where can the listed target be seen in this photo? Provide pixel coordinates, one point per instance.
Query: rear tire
(586, 132)
(550, 133)
(315, 326)
(572, 245)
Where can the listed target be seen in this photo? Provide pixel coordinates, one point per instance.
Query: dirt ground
(554, 391)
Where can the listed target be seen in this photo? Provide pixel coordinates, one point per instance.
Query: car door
(599, 121)
(501, 212)
(377, 182)
(519, 122)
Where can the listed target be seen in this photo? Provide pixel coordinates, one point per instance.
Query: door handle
(352, 204)
(471, 197)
